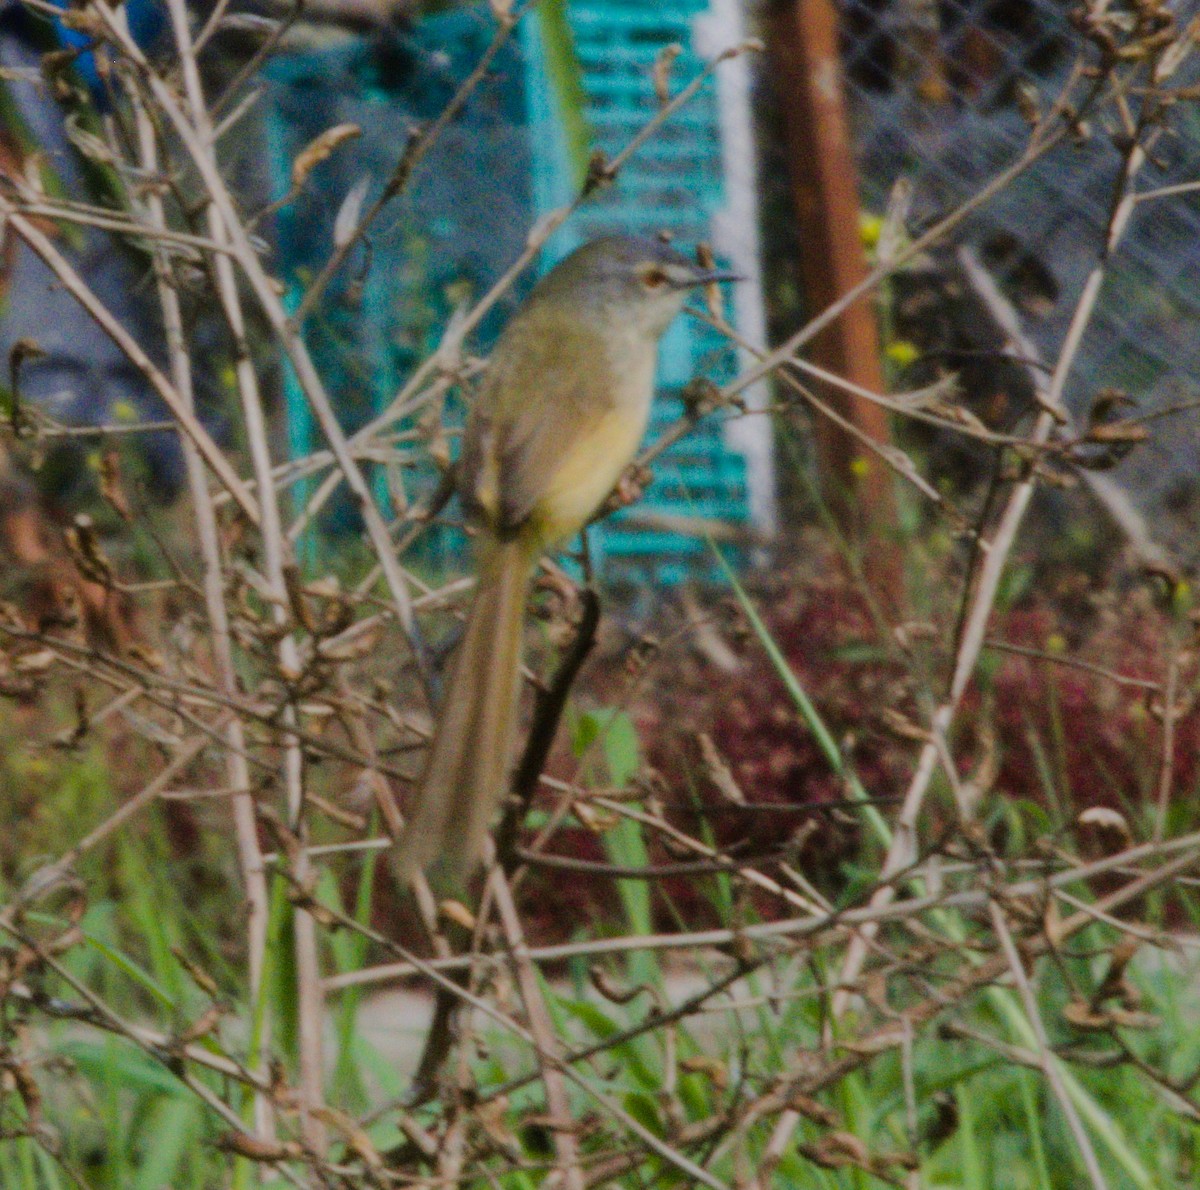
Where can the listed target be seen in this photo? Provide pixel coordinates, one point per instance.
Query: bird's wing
(518, 440)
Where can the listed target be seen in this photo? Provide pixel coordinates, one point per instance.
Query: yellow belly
(588, 472)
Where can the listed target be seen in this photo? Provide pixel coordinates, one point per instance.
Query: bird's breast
(590, 468)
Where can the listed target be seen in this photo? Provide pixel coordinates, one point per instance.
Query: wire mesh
(465, 214)
(940, 94)
(674, 183)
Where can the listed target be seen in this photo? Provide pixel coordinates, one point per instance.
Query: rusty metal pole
(808, 81)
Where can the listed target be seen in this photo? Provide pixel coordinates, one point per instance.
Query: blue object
(452, 232)
(146, 22)
(673, 183)
(464, 216)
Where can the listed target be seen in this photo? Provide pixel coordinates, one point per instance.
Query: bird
(558, 416)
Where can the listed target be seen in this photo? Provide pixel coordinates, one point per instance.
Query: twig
(902, 849)
(1019, 347)
(1048, 1061)
(412, 156)
(813, 925)
(238, 771)
(548, 710)
(226, 218)
(1003, 646)
(542, 1028)
(221, 229)
(100, 314)
(538, 237)
(1166, 771)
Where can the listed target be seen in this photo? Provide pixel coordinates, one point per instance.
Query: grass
(159, 945)
(122, 1120)
(125, 1122)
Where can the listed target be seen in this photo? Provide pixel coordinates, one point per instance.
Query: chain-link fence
(498, 168)
(942, 94)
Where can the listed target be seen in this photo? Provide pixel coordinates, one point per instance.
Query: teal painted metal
(674, 184)
(455, 222)
(451, 233)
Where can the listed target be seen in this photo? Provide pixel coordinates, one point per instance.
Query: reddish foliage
(753, 720)
(1100, 741)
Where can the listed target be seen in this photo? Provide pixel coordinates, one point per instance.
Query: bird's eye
(654, 278)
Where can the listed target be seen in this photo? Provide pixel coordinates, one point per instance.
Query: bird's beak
(710, 276)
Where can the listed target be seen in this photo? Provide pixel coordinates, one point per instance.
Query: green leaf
(602, 1027)
(643, 1109)
(135, 972)
(112, 1062)
(566, 84)
(170, 1134)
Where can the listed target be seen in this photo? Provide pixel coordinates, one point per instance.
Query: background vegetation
(816, 888)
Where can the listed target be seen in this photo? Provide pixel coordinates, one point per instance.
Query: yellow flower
(902, 352)
(870, 227)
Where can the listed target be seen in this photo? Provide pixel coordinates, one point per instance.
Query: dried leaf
(837, 1150)
(90, 145)
(1028, 102)
(202, 1026)
(144, 655)
(83, 21)
(320, 148)
(599, 172)
(22, 350)
(661, 71)
(247, 22)
(1131, 1018)
(254, 1149)
(597, 821)
(1106, 403)
(20, 74)
(1113, 983)
(354, 1136)
(492, 1117)
(35, 663)
(714, 1069)
(1107, 819)
(938, 397)
(719, 773)
(353, 649)
(111, 487)
(1123, 432)
(30, 1092)
(349, 212)
(911, 631)
(1083, 1016)
(458, 913)
(893, 230)
(902, 726)
(84, 546)
(67, 940)
(808, 1107)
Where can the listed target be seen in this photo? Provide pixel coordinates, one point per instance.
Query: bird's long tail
(467, 766)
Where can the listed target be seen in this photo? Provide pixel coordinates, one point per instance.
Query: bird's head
(632, 283)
